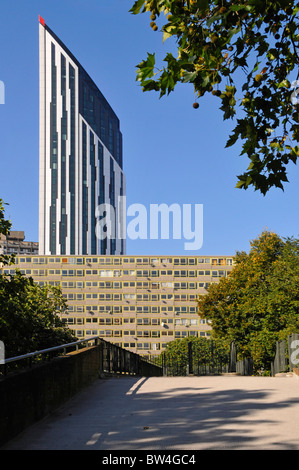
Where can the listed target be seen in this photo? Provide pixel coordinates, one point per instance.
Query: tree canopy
(246, 55)
(5, 226)
(258, 303)
(29, 319)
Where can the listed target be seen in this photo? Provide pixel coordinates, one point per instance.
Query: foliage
(258, 303)
(5, 226)
(206, 353)
(29, 318)
(243, 53)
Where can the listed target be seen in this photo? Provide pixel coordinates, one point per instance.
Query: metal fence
(245, 366)
(197, 367)
(211, 361)
(286, 355)
(285, 360)
(115, 360)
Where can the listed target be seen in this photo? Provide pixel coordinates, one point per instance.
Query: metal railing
(114, 358)
(44, 354)
(286, 355)
(196, 362)
(245, 366)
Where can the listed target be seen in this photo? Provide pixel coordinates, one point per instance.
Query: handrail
(54, 348)
(68, 345)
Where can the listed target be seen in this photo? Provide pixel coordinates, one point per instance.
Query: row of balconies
(124, 274)
(139, 321)
(127, 261)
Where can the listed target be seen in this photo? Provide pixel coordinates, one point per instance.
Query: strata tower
(81, 161)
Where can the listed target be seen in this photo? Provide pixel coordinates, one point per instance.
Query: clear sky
(173, 154)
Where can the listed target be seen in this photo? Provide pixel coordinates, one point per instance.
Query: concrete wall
(29, 395)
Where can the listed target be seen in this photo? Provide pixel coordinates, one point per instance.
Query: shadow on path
(186, 413)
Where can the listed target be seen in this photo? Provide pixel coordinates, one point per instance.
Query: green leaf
(149, 85)
(236, 7)
(168, 31)
(146, 68)
(137, 7)
(189, 77)
(232, 140)
(285, 83)
(240, 184)
(203, 4)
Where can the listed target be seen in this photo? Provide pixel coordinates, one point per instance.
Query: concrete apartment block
(138, 302)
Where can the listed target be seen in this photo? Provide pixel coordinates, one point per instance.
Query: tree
(5, 226)
(218, 40)
(29, 319)
(258, 303)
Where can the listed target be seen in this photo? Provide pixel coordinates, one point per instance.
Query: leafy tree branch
(215, 41)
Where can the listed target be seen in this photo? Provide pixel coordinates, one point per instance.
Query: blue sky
(172, 153)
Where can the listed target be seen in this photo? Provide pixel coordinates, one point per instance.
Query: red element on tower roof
(42, 21)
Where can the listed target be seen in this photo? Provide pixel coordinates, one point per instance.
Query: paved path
(169, 413)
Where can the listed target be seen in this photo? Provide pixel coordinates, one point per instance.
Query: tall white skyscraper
(81, 162)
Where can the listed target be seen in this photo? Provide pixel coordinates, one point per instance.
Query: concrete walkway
(183, 413)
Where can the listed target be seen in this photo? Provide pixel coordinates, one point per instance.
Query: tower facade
(81, 160)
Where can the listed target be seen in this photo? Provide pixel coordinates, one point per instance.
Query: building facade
(15, 243)
(137, 302)
(81, 160)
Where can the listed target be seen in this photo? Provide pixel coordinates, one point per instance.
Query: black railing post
(232, 358)
(190, 357)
